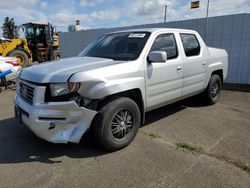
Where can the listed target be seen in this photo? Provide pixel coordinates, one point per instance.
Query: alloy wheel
(122, 124)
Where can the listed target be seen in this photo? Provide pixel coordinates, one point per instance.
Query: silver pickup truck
(114, 81)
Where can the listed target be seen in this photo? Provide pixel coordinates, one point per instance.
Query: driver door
(164, 79)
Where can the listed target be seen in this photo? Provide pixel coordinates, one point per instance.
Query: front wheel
(212, 93)
(21, 56)
(117, 123)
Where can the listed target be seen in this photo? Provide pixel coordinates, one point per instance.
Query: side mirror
(157, 56)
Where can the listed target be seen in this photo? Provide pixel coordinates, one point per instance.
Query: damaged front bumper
(57, 122)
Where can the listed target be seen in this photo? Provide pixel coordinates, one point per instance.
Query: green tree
(71, 28)
(10, 30)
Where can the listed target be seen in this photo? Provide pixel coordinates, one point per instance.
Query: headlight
(63, 89)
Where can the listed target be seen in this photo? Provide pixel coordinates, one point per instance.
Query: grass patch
(191, 147)
(151, 135)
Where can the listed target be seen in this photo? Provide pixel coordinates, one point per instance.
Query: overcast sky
(112, 13)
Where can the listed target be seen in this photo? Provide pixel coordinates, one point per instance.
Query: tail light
(14, 63)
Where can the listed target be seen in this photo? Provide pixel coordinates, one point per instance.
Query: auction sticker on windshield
(137, 35)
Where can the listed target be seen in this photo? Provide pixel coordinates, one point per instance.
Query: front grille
(27, 92)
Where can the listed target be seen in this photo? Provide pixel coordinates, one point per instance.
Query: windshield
(118, 46)
(29, 32)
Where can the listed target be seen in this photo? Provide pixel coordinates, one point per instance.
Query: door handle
(204, 63)
(179, 68)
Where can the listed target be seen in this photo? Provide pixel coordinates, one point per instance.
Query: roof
(154, 30)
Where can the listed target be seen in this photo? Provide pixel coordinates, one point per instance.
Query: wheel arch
(219, 72)
(133, 94)
(20, 48)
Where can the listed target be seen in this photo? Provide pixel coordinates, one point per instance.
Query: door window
(166, 42)
(190, 44)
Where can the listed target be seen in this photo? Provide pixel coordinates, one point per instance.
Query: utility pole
(165, 16)
(205, 36)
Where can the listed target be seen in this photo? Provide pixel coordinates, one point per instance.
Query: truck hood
(61, 70)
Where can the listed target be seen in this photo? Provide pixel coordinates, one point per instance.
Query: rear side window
(190, 44)
(165, 42)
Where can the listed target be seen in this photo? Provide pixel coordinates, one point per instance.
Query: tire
(1, 82)
(21, 56)
(117, 123)
(212, 92)
(56, 55)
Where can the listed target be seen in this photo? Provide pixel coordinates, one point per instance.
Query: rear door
(194, 66)
(164, 79)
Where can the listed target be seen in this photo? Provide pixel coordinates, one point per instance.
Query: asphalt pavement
(164, 153)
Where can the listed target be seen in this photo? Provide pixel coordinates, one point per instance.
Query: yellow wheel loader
(39, 44)
(16, 48)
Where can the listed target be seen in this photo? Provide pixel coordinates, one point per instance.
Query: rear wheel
(117, 123)
(56, 55)
(21, 56)
(212, 93)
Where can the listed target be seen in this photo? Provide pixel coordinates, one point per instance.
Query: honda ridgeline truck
(114, 81)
